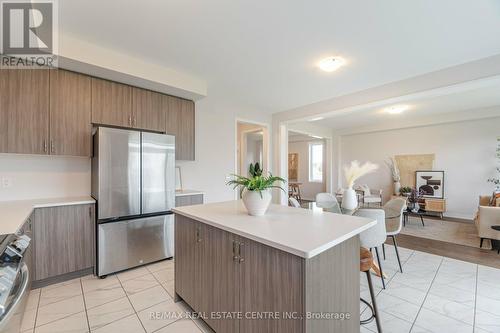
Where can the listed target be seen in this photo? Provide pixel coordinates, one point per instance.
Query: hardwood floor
(455, 251)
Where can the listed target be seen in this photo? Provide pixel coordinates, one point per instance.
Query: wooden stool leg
(374, 302)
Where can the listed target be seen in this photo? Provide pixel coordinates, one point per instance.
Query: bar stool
(365, 264)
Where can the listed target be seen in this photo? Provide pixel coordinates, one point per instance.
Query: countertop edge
(302, 254)
(184, 193)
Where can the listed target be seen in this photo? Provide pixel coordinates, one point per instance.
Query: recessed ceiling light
(331, 64)
(396, 109)
(316, 118)
(317, 137)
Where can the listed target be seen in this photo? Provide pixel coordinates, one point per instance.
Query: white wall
(308, 189)
(464, 150)
(216, 146)
(35, 176)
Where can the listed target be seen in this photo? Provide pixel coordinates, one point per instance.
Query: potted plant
(256, 189)
(353, 173)
(405, 190)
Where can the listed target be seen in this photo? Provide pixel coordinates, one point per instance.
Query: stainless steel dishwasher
(15, 281)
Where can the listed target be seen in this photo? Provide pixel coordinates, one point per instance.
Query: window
(316, 162)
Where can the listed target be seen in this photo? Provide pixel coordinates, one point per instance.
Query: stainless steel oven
(15, 281)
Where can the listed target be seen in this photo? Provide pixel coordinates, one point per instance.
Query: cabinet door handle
(198, 238)
(52, 146)
(135, 121)
(235, 251)
(241, 259)
(90, 212)
(44, 146)
(130, 120)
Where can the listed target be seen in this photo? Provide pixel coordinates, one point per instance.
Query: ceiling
(264, 53)
(471, 100)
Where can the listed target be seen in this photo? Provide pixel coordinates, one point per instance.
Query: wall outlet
(6, 182)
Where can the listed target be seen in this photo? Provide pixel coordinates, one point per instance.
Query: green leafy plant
(257, 182)
(405, 190)
(255, 171)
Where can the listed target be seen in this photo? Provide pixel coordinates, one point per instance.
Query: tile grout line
(85, 305)
(427, 294)
(130, 302)
(37, 307)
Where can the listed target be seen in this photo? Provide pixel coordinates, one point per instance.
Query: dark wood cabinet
(24, 111)
(147, 112)
(63, 240)
(70, 113)
(51, 112)
(111, 103)
(180, 118)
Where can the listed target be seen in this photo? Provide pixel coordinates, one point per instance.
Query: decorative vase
(397, 187)
(256, 204)
(349, 199)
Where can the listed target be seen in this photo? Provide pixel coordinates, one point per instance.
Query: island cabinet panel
(187, 259)
(147, 112)
(219, 288)
(271, 282)
(24, 111)
(332, 286)
(111, 103)
(180, 121)
(63, 240)
(70, 112)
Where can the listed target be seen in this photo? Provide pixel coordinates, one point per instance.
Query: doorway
(252, 146)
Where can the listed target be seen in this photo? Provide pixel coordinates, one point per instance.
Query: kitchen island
(292, 270)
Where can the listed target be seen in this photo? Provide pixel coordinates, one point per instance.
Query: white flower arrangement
(393, 166)
(355, 171)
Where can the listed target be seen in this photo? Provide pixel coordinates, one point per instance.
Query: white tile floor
(434, 294)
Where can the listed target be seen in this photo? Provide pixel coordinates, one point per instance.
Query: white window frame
(311, 145)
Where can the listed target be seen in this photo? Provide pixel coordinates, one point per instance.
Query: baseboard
(61, 278)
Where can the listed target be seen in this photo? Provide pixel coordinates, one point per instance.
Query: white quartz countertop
(187, 192)
(299, 231)
(13, 214)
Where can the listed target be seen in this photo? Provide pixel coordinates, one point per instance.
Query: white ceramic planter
(349, 199)
(397, 187)
(255, 204)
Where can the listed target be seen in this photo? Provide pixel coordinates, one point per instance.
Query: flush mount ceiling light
(316, 118)
(396, 109)
(331, 64)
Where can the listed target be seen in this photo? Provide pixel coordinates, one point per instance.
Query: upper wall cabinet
(180, 117)
(111, 103)
(24, 111)
(147, 112)
(70, 111)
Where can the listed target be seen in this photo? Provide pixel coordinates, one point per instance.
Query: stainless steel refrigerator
(133, 181)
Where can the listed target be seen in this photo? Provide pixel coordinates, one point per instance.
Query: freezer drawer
(126, 244)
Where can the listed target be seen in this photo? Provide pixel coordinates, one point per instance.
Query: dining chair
(293, 202)
(376, 235)
(328, 201)
(394, 224)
